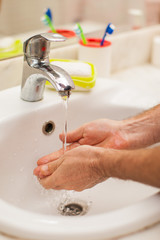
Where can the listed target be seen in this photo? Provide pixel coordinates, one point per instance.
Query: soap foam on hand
(82, 73)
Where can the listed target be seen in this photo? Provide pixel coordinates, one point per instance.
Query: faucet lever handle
(38, 46)
(53, 37)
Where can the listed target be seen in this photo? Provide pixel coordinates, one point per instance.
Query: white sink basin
(28, 211)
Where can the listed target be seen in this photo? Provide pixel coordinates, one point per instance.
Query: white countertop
(144, 80)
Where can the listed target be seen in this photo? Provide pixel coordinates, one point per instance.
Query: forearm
(141, 165)
(144, 129)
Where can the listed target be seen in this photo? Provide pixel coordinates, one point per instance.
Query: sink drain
(73, 208)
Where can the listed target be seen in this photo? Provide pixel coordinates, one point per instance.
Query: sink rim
(113, 224)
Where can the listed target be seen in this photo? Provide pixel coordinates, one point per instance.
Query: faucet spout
(37, 70)
(59, 79)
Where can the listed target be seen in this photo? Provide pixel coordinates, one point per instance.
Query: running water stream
(65, 100)
(69, 204)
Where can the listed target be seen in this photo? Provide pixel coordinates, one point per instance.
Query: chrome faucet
(37, 69)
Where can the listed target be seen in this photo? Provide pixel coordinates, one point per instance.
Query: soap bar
(80, 69)
(82, 73)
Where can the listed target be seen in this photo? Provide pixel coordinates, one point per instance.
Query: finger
(55, 155)
(71, 146)
(49, 183)
(47, 169)
(50, 157)
(73, 136)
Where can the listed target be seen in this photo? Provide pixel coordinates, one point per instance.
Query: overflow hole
(48, 127)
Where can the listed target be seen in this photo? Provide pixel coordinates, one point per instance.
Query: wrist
(138, 132)
(119, 163)
(141, 165)
(108, 161)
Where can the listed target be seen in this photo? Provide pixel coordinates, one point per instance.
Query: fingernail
(44, 168)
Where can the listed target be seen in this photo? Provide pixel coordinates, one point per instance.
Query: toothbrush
(109, 29)
(48, 12)
(47, 19)
(79, 32)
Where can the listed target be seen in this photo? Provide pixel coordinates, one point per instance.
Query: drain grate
(73, 208)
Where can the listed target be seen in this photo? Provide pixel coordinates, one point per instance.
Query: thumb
(73, 136)
(47, 169)
(50, 157)
(55, 155)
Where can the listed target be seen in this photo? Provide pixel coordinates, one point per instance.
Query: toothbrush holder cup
(66, 33)
(99, 55)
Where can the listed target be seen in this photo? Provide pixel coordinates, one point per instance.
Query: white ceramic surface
(99, 56)
(28, 211)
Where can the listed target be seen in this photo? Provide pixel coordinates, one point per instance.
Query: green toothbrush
(47, 21)
(78, 30)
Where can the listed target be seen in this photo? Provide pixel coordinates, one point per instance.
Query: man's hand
(101, 133)
(84, 166)
(106, 133)
(77, 169)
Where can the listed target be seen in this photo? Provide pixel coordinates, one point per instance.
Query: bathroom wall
(140, 4)
(17, 16)
(100, 11)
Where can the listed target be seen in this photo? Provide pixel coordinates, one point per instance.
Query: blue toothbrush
(109, 29)
(48, 12)
(47, 19)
